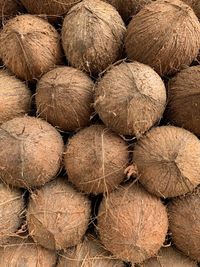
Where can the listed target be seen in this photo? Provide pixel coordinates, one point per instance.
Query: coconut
(11, 208)
(15, 98)
(58, 215)
(132, 224)
(29, 46)
(130, 98)
(89, 253)
(168, 161)
(53, 9)
(92, 36)
(20, 253)
(164, 35)
(64, 98)
(185, 224)
(95, 159)
(170, 257)
(184, 100)
(9, 8)
(195, 4)
(30, 152)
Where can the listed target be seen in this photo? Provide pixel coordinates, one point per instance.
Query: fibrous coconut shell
(92, 36)
(130, 98)
(95, 159)
(195, 4)
(58, 215)
(132, 224)
(30, 152)
(64, 98)
(168, 161)
(164, 35)
(9, 8)
(29, 46)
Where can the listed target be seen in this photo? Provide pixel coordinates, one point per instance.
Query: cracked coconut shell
(30, 46)
(30, 152)
(164, 35)
(130, 98)
(169, 257)
(89, 253)
(23, 253)
(185, 224)
(92, 36)
(168, 161)
(15, 97)
(64, 98)
(184, 100)
(58, 215)
(132, 224)
(95, 159)
(11, 209)
(9, 8)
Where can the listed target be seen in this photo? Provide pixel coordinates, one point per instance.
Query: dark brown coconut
(169, 257)
(19, 253)
(184, 100)
(58, 215)
(168, 161)
(9, 8)
(185, 225)
(156, 36)
(64, 98)
(30, 152)
(130, 98)
(92, 36)
(15, 97)
(132, 224)
(53, 9)
(30, 46)
(95, 159)
(11, 209)
(89, 253)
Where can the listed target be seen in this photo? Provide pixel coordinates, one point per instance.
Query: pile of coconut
(99, 133)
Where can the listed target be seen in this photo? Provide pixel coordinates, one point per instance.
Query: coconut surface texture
(58, 215)
(169, 257)
(29, 46)
(92, 36)
(168, 161)
(130, 98)
(95, 159)
(30, 152)
(184, 224)
(64, 98)
(15, 97)
(11, 209)
(54, 9)
(195, 4)
(9, 8)
(164, 35)
(89, 253)
(132, 224)
(21, 254)
(184, 100)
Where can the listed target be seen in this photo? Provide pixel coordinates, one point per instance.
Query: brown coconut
(168, 161)
(9, 8)
(184, 100)
(15, 97)
(53, 9)
(95, 159)
(164, 35)
(11, 209)
(30, 46)
(132, 224)
(185, 224)
(130, 98)
(58, 215)
(64, 98)
(92, 36)
(22, 253)
(195, 4)
(89, 253)
(30, 152)
(169, 257)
